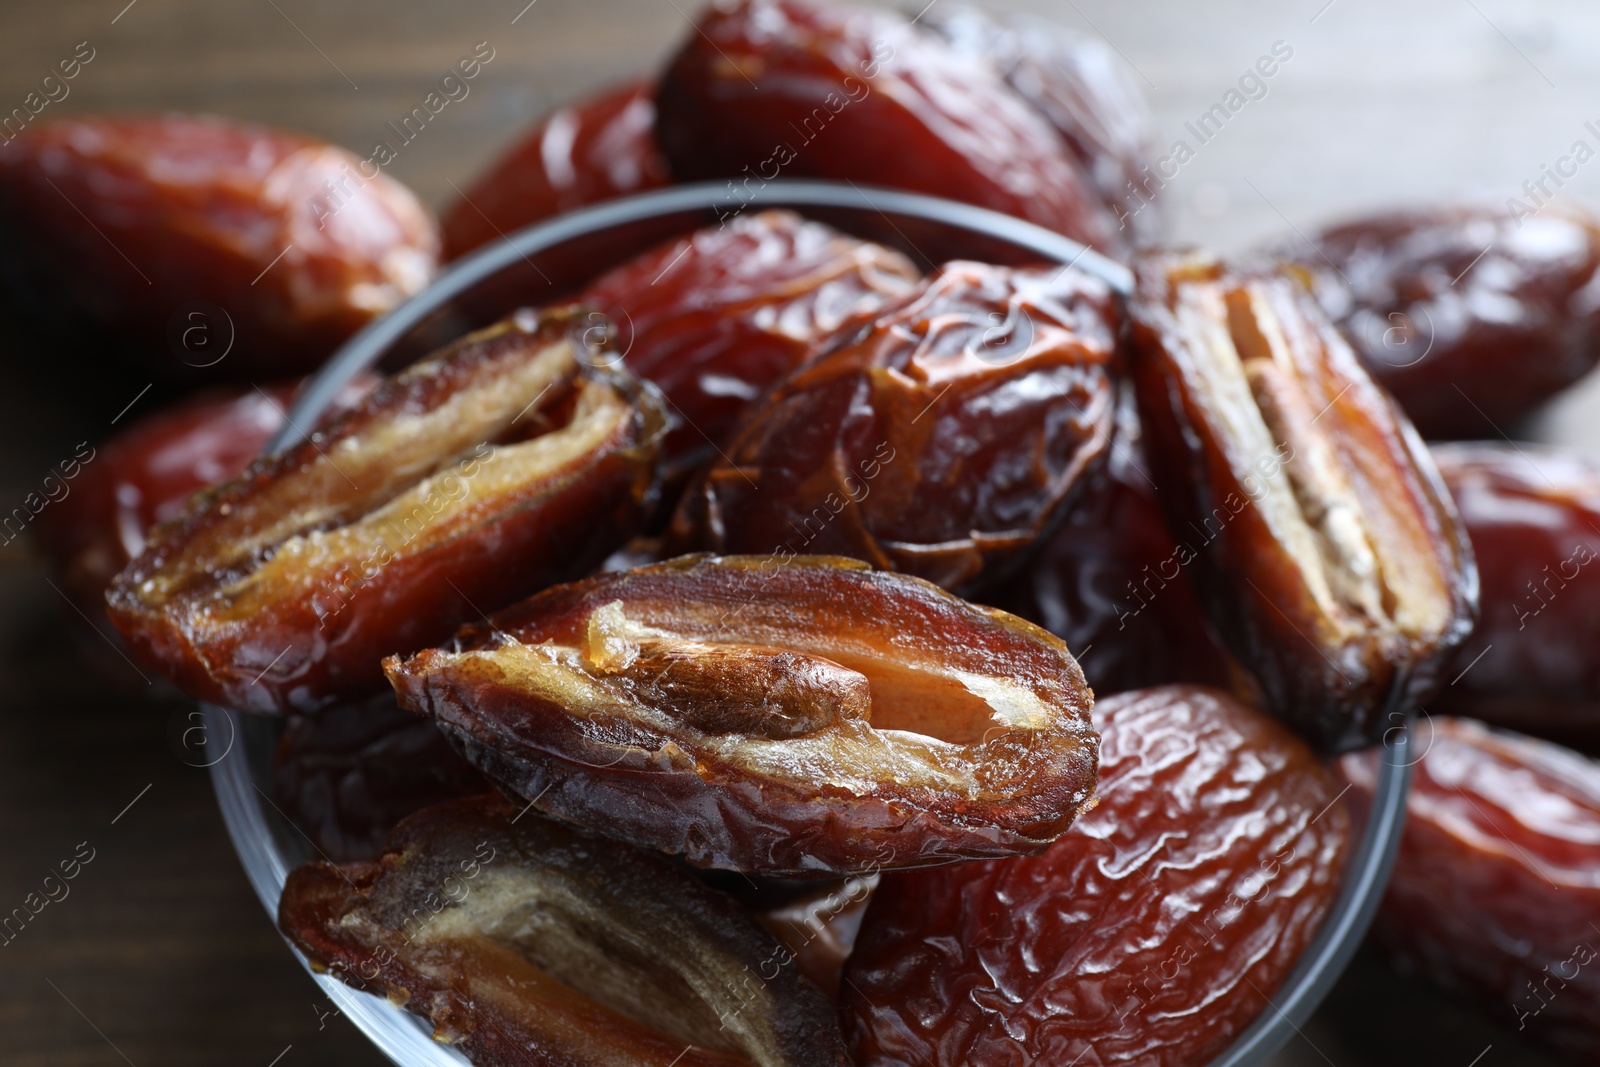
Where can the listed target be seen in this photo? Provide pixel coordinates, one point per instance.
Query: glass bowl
(552, 259)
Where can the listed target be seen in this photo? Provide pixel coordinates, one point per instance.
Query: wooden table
(161, 955)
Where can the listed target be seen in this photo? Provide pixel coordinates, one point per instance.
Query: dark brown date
(1152, 934)
(717, 317)
(599, 148)
(764, 88)
(213, 247)
(500, 465)
(942, 437)
(1496, 892)
(800, 717)
(1327, 550)
(1534, 517)
(1469, 315)
(527, 944)
(347, 775)
(1082, 86)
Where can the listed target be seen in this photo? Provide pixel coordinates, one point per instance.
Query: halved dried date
(942, 436)
(716, 317)
(1534, 517)
(1152, 934)
(598, 148)
(1329, 555)
(492, 469)
(1470, 315)
(527, 944)
(210, 245)
(1496, 892)
(804, 716)
(764, 88)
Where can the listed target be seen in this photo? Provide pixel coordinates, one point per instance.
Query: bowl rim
(406, 1038)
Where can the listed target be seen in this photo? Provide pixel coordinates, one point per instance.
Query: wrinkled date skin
(1152, 934)
(1534, 517)
(347, 775)
(1470, 316)
(1109, 581)
(1082, 86)
(146, 474)
(717, 317)
(498, 466)
(133, 221)
(942, 437)
(1326, 549)
(765, 88)
(527, 944)
(804, 717)
(596, 149)
(1497, 887)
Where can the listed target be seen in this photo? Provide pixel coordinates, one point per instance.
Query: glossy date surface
(941, 437)
(770, 88)
(502, 464)
(1496, 891)
(1469, 315)
(278, 241)
(803, 716)
(1151, 934)
(527, 944)
(1327, 550)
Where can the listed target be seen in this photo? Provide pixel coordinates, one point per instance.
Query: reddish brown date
(769, 88)
(942, 437)
(526, 944)
(803, 717)
(500, 465)
(599, 148)
(717, 317)
(1327, 551)
(1496, 892)
(1152, 934)
(1470, 316)
(347, 775)
(1110, 581)
(1082, 86)
(208, 244)
(1534, 517)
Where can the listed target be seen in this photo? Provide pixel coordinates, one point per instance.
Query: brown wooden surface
(161, 955)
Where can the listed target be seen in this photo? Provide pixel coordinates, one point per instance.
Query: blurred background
(161, 954)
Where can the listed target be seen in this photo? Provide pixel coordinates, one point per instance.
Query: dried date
(273, 245)
(1152, 934)
(527, 944)
(941, 437)
(802, 717)
(764, 88)
(1328, 554)
(1497, 886)
(502, 464)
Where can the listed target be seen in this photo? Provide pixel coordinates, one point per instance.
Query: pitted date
(213, 247)
(1082, 86)
(1497, 886)
(1152, 934)
(941, 437)
(1470, 316)
(1533, 514)
(803, 716)
(596, 149)
(527, 944)
(505, 463)
(716, 317)
(764, 88)
(1330, 557)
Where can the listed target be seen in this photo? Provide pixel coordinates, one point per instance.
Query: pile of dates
(786, 649)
